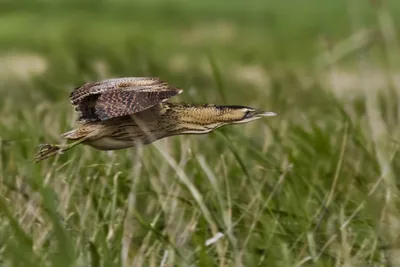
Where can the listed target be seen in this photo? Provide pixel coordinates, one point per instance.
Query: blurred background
(248, 42)
(315, 186)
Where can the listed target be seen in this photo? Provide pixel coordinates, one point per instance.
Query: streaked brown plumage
(121, 113)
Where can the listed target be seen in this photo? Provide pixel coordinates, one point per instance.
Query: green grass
(315, 186)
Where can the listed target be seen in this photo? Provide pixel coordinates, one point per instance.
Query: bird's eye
(248, 113)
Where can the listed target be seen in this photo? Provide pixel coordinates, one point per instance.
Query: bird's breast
(110, 143)
(125, 134)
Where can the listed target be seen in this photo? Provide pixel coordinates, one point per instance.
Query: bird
(119, 113)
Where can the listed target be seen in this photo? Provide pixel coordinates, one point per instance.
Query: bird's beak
(257, 114)
(260, 113)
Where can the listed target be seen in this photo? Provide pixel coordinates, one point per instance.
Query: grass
(315, 186)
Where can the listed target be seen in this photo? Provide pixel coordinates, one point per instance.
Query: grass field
(315, 186)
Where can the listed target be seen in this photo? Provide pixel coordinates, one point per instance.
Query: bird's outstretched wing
(119, 97)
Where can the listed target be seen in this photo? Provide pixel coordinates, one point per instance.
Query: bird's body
(122, 113)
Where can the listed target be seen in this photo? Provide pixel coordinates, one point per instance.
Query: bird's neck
(198, 114)
(189, 119)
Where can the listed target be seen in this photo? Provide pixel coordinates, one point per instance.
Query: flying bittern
(121, 113)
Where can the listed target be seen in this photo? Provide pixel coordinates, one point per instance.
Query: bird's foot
(47, 150)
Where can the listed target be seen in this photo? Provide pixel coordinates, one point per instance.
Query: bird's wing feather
(121, 103)
(118, 97)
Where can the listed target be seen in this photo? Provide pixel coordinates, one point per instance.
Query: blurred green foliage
(315, 186)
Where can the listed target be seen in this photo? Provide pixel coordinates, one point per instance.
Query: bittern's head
(206, 118)
(240, 114)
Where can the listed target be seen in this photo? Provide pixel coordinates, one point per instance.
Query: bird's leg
(47, 150)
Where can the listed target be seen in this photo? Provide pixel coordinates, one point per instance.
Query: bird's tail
(72, 135)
